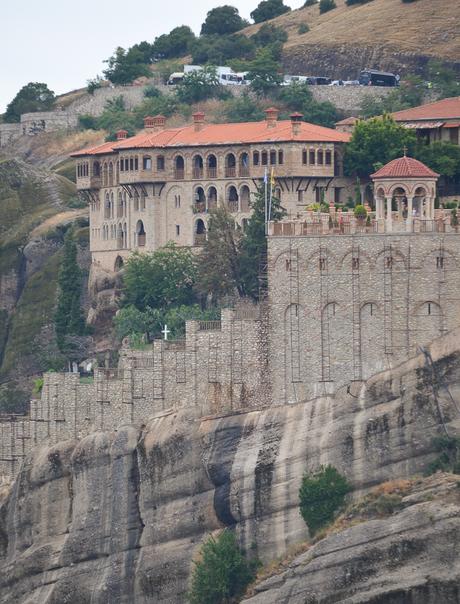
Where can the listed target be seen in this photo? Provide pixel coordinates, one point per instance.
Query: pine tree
(254, 242)
(69, 317)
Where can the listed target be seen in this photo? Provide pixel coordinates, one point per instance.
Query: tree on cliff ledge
(69, 316)
(35, 96)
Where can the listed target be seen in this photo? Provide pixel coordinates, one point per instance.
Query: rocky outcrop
(117, 517)
(409, 557)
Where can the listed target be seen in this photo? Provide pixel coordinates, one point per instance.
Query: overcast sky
(64, 43)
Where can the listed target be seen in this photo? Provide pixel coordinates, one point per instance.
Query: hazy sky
(64, 43)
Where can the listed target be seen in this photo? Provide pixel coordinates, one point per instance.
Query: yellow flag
(272, 177)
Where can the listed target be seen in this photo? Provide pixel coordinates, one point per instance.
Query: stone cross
(165, 331)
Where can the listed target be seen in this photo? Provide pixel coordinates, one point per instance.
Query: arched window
(280, 158)
(179, 168)
(255, 158)
(118, 263)
(119, 236)
(328, 156)
(197, 166)
(304, 157)
(211, 163)
(312, 157)
(140, 234)
(125, 235)
(264, 158)
(232, 199)
(272, 158)
(96, 169)
(146, 162)
(320, 157)
(244, 164)
(230, 165)
(105, 177)
(212, 198)
(160, 163)
(244, 197)
(199, 200)
(136, 200)
(199, 236)
(120, 205)
(110, 174)
(131, 163)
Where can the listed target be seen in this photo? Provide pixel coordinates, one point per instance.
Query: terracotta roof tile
(223, 134)
(445, 109)
(405, 167)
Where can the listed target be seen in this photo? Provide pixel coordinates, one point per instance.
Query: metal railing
(212, 172)
(179, 174)
(230, 171)
(244, 170)
(197, 172)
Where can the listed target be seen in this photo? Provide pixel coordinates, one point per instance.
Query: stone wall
(344, 307)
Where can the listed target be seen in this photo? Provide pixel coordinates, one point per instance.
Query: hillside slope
(29, 264)
(386, 34)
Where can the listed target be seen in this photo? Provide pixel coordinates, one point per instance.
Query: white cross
(165, 331)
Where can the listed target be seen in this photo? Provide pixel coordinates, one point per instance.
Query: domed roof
(405, 167)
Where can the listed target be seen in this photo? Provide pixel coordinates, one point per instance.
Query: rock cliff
(117, 517)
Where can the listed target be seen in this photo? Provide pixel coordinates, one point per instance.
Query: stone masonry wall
(219, 367)
(343, 307)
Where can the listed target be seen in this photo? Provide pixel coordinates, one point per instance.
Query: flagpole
(271, 196)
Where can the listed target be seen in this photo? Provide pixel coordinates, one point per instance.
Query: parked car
(372, 77)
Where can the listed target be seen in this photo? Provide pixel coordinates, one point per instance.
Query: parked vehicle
(175, 78)
(372, 77)
(318, 80)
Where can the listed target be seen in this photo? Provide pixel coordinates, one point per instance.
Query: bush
(93, 84)
(449, 458)
(151, 92)
(269, 9)
(310, 3)
(303, 29)
(326, 5)
(360, 211)
(222, 574)
(321, 495)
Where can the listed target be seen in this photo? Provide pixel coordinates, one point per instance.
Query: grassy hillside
(381, 33)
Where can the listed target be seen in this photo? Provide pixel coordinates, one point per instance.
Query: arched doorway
(197, 166)
(199, 236)
(199, 200)
(212, 198)
(232, 199)
(230, 165)
(179, 168)
(212, 166)
(119, 263)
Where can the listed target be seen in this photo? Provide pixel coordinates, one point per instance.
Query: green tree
(375, 142)
(219, 262)
(219, 49)
(222, 20)
(173, 45)
(298, 97)
(222, 573)
(444, 80)
(198, 86)
(124, 66)
(68, 318)
(269, 9)
(269, 34)
(441, 156)
(242, 109)
(264, 72)
(326, 5)
(254, 243)
(35, 96)
(321, 494)
(160, 279)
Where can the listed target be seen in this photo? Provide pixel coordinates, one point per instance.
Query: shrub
(269, 9)
(449, 458)
(321, 495)
(360, 211)
(151, 92)
(38, 386)
(222, 574)
(93, 84)
(310, 3)
(454, 218)
(303, 29)
(326, 5)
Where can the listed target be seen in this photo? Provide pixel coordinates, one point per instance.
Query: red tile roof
(222, 134)
(446, 109)
(347, 121)
(405, 167)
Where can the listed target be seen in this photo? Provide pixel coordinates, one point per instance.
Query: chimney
(198, 121)
(296, 121)
(271, 116)
(156, 123)
(121, 135)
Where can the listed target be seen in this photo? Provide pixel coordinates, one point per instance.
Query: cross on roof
(165, 331)
(405, 150)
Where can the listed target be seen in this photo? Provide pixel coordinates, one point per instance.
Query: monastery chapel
(159, 185)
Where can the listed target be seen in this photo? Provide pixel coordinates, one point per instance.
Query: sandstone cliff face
(117, 517)
(410, 557)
